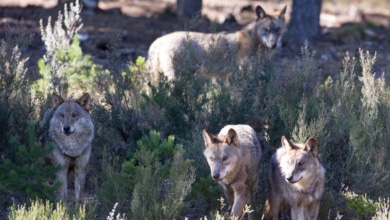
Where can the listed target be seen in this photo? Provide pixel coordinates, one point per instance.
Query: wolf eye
(74, 114)
(62, 115)
(224, 158)
(300, 163)
(212, 158)
(277, 30)
(266, 29)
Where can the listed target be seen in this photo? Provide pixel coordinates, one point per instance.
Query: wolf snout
(216, 176)
(272, 44)
(291, 179)
(67, 130)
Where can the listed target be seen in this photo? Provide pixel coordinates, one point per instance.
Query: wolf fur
(296, 179)
(72, 131)
(233, 157)
(224, 49)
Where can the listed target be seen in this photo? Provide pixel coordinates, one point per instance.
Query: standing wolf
(223, 49)
(233, 157)
(72, 131)
(296, 179)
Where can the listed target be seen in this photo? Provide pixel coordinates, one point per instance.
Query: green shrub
(119, 117)
(16, 107)
(21, 175)
(292, 88)
(64, 68)
(361, 206)
(164, 178)
(115, 186)
(46, 211)
(357, 109)
(156, 177)
(26, 174)
(369, 133)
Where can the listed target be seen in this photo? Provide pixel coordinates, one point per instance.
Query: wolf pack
(295, 176)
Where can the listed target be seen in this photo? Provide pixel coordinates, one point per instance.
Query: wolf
(72, 132)
(212, 49)
(233, 157)
(296, 179)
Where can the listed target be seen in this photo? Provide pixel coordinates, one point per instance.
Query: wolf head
(222, 153)
(298, 162)
(69, 113)
(269, 28)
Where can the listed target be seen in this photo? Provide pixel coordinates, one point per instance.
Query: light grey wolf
(296, 179)
(233, 157)
(210, 49)
(72, 131)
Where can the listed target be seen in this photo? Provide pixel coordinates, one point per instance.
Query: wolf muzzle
(216, 176)
(67, 130)
(291, 180)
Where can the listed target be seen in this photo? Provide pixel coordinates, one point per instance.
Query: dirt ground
(346, 26)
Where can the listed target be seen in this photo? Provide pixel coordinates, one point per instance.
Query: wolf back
(217, 52)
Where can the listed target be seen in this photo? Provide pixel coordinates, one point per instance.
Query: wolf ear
(84, 101)
(260, 12)
(286, 143)
(311, 146)
(231, 137)
(56, 100)
(280, 14)
(208, 138)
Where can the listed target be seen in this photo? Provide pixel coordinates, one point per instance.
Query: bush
(360, 206)
(46, 211)
(163, 178)
(64, 69)
(15, 102)
(156, 179)
(115, 186)
(26, 174)
(19, 178)
(290, 90)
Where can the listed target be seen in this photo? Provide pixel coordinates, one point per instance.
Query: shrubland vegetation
(148, 137)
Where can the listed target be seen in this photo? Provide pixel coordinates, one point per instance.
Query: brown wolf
(296, 179)
(209, 50)
(233, 157)
(72, 131)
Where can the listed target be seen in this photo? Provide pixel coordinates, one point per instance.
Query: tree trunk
(188, 8)
(305, 21)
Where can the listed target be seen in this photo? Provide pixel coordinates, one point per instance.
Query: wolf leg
(62, 176)
(314, 212)
(240, 199)
(297, 213)
(229, 194)
(79, 181)
(80, 172)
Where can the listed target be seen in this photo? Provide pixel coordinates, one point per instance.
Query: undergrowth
(148, 145)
